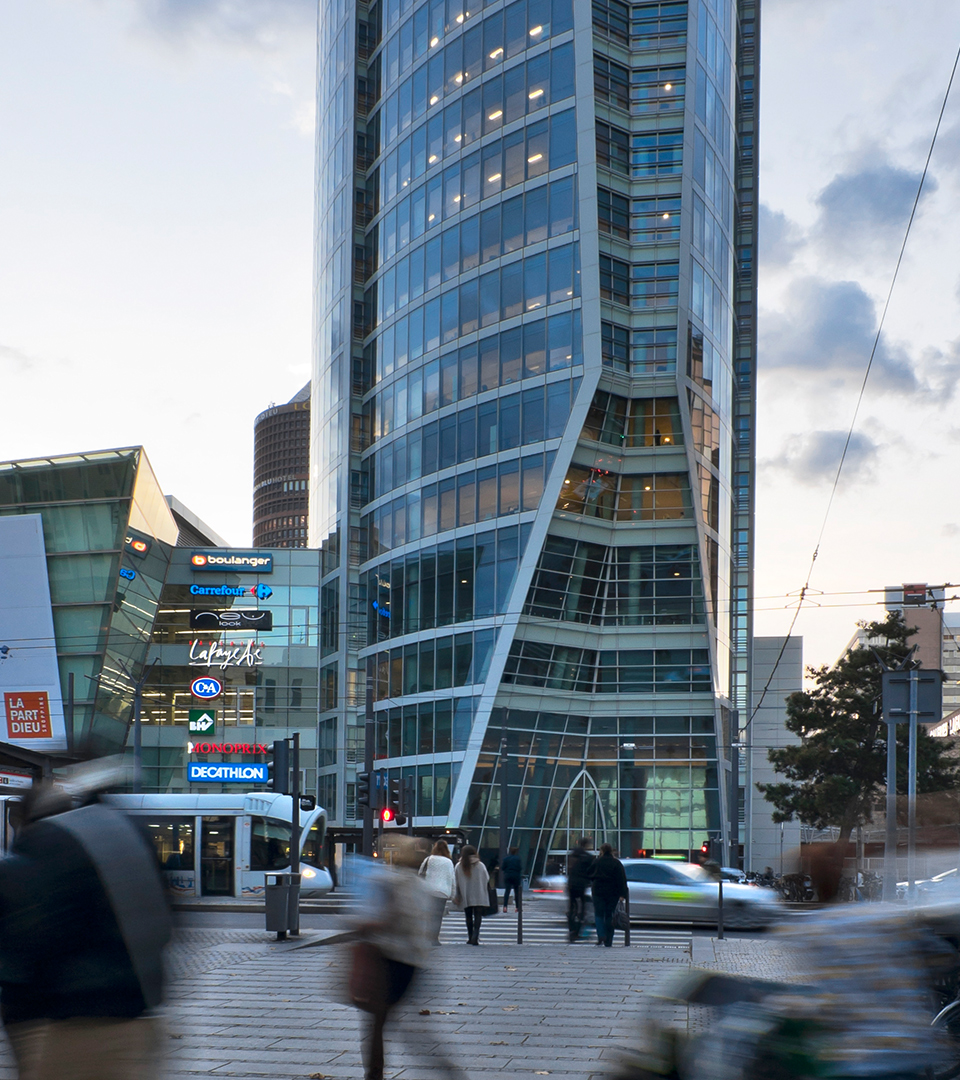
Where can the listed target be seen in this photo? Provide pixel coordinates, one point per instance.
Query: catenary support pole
(912, 791)
(369, 742)
(890, 841)
(504, 825)
(294, 908)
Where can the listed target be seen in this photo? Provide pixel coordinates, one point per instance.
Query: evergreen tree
(838, 771)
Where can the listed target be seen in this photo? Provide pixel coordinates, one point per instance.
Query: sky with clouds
(155, 266)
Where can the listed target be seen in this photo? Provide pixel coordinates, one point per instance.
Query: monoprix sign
(201, 772)
(206, 688)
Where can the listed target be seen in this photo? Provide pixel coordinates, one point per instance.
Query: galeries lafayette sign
(224, 654)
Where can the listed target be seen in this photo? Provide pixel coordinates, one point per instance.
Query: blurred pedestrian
(579, 864)
(83, 923)
(438, 876)
(472, 896)
(608, 885)
(392, 947)
(513, 879)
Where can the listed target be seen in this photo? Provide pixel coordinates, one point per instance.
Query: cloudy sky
(155, 263)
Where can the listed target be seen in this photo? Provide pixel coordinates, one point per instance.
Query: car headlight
(308, 873)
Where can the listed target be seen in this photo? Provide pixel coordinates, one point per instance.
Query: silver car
(663, 891)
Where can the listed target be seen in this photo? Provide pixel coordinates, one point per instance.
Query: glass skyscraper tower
(532, 411)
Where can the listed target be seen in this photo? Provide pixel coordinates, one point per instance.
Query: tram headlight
(307, 872)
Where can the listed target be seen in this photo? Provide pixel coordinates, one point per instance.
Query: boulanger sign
(237, 562)
(231, 619)
(31, 707)
(225, 654)
(200, 772)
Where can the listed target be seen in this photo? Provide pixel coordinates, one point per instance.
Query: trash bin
(277, 902)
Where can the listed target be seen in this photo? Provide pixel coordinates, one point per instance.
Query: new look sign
(199, 772)
(235, 562)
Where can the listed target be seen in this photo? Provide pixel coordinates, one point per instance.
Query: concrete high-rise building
(281, 468)
(533, 408)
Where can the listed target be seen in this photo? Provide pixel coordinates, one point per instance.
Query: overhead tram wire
(863, 387)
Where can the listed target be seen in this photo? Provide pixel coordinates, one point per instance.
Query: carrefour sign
(201, 772)
(237, 562)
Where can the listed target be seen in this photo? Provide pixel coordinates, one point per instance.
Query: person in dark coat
(608, 885)
(513, 879)
(83, 923)
(579, 864)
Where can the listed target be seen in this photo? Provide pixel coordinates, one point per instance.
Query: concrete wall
(766, 843)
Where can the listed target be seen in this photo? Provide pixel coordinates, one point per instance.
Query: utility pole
(369, 741)
(908, 696)
(294, 906)
(503, 798)
(138, 685)
(733, 798)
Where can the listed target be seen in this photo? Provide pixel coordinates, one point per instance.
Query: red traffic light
(705, 848)
(386, 814)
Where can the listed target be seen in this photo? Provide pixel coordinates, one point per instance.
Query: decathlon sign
(236, 562)
(200, 772)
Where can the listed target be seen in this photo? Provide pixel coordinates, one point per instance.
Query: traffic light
(278, 769)
(395, 802)
(363, 789)
(386, 815)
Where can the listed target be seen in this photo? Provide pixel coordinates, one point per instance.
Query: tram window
(173, 842)
(269, 844)
(313, 845)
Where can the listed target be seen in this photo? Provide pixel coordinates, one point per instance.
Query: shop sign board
(233, 562)
(231, 619)
(13, 778)
(202, 721)
(200, 772)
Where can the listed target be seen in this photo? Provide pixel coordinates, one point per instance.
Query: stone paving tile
(242, 1006)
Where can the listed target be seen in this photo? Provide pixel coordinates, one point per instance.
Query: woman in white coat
(472, 880)
(438, 876)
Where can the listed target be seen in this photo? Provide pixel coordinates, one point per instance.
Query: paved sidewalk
(241, 1005)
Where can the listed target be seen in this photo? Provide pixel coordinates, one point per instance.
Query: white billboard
(31, 706)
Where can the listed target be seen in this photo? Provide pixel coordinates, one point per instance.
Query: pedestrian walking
(472, 896)
(83, 923)
(579, 864)
(438, 876)
(608, 885)
(513, 879)
(392, 947)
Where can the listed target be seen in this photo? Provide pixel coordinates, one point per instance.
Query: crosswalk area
(547, 928)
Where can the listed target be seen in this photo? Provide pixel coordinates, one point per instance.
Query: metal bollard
(720, 910)
(626, 933)
(520, 923)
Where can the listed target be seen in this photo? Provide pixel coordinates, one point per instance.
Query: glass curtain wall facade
(525, 434)
(108, 534)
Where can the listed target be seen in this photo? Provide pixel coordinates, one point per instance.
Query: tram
(224, 845)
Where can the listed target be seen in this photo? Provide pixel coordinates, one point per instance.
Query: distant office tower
(533, 397)
(281, 470)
